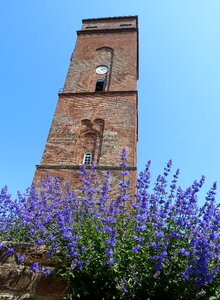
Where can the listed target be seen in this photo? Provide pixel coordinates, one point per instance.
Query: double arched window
(90, 142)
(87, 160)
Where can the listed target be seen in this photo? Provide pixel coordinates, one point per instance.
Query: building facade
(96, 113)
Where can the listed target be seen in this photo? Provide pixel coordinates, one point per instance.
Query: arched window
(87, 160)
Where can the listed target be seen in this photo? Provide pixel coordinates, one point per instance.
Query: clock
(101, 70)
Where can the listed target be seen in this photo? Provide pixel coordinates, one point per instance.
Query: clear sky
(179, 85)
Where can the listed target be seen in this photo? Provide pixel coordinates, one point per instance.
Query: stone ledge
(31, 253)
(97, 94)
(12, 296)
(17, 281)
(77, 167)
(13, 278)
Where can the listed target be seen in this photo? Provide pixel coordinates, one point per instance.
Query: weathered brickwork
(82, 77)
(66, 143)
(87, 120)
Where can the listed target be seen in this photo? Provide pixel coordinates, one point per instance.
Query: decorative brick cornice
(110, 30)
(101, 94)
(77, 167)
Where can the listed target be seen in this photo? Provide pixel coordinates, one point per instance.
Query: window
(99, 86)
(87, 158)
(124, 25)
(91, 26)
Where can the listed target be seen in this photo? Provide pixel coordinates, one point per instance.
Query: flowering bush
(152, 245)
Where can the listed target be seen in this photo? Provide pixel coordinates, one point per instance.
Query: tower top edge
(110, 23)
(109, 19)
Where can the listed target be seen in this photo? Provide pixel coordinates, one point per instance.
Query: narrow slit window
(88, 27)
(87, 158)
(99, 85)
(124, 25)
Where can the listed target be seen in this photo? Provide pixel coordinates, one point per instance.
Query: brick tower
(96, 114)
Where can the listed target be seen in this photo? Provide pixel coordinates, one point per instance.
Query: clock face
(101, 70)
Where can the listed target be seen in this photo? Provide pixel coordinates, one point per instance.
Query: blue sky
(179, 90)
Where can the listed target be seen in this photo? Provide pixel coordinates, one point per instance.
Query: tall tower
(96, 113)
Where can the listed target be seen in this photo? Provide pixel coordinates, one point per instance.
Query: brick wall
(64, 144)
(81, 75)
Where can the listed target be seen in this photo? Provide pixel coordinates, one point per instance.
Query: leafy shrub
(151, 245)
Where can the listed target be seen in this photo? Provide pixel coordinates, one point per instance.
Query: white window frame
(87, 160)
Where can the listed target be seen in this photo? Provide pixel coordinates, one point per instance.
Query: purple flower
(123, 285)
(31, 232)
(159, 234)
(184, 252)
(2, 245)
(138, 238)
(141, 228)
(21, 259)
(109, 252)
(110, 262)
(137, 249)
(35, 267)
(124, 173)
(111, 242)
(158, 266)
(80, 264)
(46, 271)
(72, 244)
(141, 218)
(107, 229)
(73, 253)
(185, 275)
(10, 251)
(155, 246)
(39, 242)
